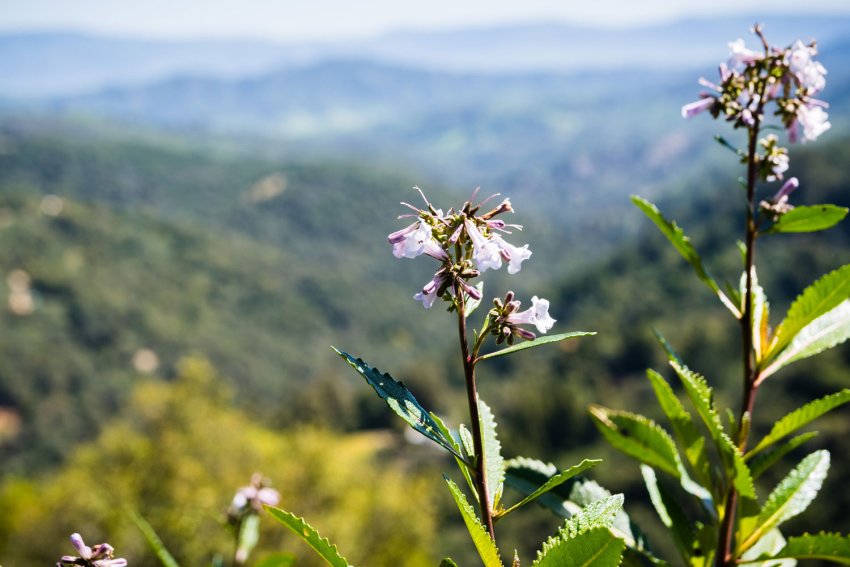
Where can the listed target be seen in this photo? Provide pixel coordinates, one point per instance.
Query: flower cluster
(465, 243)
(505, 319)
(98, 556)
(749, 80)
(250, 499)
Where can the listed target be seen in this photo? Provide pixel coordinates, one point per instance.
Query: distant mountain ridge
(40, 64)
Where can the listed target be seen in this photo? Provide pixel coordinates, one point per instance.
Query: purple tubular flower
(410, 242)
(486, 252)
(537, 315)
(431, 290)
(787, 188)
(98, 556)
(692, 109)
(512, 254)
(78, 543)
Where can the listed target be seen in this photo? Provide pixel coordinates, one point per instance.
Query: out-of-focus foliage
(177, 456)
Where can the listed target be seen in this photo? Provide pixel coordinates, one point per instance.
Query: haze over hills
(46, 64)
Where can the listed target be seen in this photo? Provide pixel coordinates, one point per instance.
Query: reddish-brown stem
(475, 417)
(725, 545)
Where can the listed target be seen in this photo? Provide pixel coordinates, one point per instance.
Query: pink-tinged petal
(81, 547)
(399, 235)
(694, 108)
(486, 252)
(413, 242)
(514, 255)
(787, 188)
(537, 315)
(269, 496)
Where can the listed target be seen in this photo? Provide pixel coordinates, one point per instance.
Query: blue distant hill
(38, 64)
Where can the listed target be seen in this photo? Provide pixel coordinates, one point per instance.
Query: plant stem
(475, 417)
(724, 556)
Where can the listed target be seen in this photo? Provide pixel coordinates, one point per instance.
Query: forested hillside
(112, 249)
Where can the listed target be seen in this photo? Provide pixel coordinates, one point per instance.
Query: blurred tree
(178, 455)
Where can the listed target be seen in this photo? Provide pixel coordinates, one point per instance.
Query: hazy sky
(323, 19)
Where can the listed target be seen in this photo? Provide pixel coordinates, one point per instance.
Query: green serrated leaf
(830, 329)
(539, 341)
(593, 548)
(401, 401)
(573, 544)
(308, 533)
(800, 418)
(670, 513)
(463, 464)
(553, 482)
(809, 219)
(683, 245)
(483, 543)
(791, 496)
(493, 463)
(683, 426)
(568, 498)
(821, 297)
(822, 546)
(638, 437)
(671, 353)
(759, 314)
(154, 540)
(766, 459)
(703, 400)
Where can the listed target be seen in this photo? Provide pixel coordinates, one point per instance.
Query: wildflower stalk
(474, 415)
(725, 545)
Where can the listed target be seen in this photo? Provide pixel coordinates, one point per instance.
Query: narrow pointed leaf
(828, 330)
(800, 418)
(761, 554)
(683, 426)
(464, 464)
(822, 546)
(493, 461)
(821, 297)
(401, 401)
(791, 496)
(766, 459)
(702, 398)
(553, 483)
(308, 533)
(483, 543)
(809, 219)
(448, 562)
(759, 313)
(683, 245)
(539, 341)
(672, 356)
(670, 513)
(154, 541)
(638, 437)
(249, 535)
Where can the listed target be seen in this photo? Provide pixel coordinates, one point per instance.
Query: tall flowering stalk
(768, 87)
(461, 245)
(466, 243)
